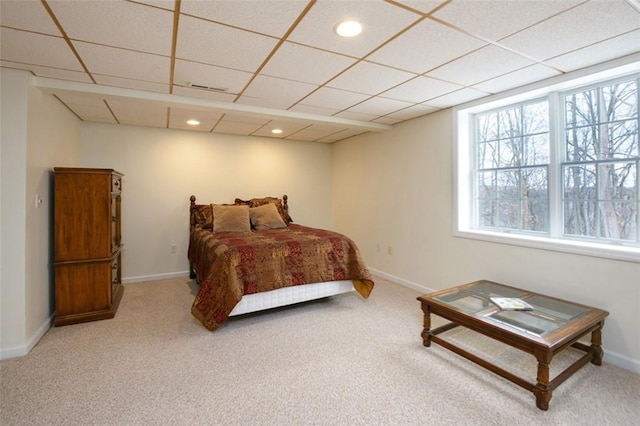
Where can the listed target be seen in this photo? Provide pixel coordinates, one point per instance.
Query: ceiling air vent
(211, 88)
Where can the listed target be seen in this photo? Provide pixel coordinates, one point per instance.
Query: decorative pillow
(230, 218)
(257, 202)
(202, 216)
(266, 217)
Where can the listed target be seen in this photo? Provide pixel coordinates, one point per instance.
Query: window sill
(612, 251)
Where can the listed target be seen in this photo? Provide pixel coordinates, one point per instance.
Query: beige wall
(37, 133)
(163, 168)
(13, 208)
(395, 189)
(53, 137)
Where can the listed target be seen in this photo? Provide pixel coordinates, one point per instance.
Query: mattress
(290, 295)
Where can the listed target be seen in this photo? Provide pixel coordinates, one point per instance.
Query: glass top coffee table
(551, 326)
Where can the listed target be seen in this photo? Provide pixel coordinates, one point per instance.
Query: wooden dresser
(87, 239)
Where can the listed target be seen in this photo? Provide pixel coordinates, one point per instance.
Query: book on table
(511, 304)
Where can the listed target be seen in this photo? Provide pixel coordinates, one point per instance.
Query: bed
(249, 256)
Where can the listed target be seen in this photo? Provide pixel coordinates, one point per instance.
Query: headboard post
(284, 203)
(192, 208)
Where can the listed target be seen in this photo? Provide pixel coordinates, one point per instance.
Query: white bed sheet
(290, 295)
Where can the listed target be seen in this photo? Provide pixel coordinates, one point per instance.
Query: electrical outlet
(389, 250)
(172, 248)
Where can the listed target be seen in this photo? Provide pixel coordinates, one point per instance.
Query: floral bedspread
(231, 264)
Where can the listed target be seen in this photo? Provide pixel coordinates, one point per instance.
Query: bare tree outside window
(600, 173)
(512, 168)
(556, 167)
(597, 166)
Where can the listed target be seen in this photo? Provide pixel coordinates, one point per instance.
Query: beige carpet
(339, 361)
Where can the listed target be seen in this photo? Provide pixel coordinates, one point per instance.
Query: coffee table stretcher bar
(543, 388)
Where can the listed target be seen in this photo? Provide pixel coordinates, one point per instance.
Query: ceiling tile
(517, 78)
(163, 4)
(37, 49)
(309, 109)
(612, 48)
(455, 98)
(211, 76)
(409, 113)
(358, 78)
(56, 73)
(214, 44)
(98, 114)
(178, 119)
(203, 94)
(139, 113)
(425, 56)
(315, 132)
(422, 6)
(380, 21)
(266, 17)
(344, 134)
(292, 61)
(420, 89)
(79, 99)
(248, 119)
(88, 108)
(359, 116)
(139, 27)
(505, 17)
(380, 106)
(287, 127)
(109, 61)
(28, 16)
(336, 99)
(274, 92)
(571, 30)
(148, 86)
(387, 119)
(486, 63)
(235, 128)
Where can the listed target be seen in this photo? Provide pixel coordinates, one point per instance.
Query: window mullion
(556, 158)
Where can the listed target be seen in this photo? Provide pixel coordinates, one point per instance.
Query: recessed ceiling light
(193, 122)
(348, 28)
(276, 131)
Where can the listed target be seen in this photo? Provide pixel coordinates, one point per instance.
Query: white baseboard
(22, 350)
(401, 281)
(155, 277)
(612, 358)
(621, 361)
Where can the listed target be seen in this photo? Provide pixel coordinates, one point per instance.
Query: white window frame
(464, 156)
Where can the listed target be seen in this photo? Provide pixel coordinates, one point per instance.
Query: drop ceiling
(245, 67)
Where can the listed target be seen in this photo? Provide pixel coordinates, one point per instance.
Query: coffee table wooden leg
(426, 331)
(542, 391)
(596, 345)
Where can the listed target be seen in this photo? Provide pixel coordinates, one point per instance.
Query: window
(554, 168)
(600, 171)
(512, 172)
